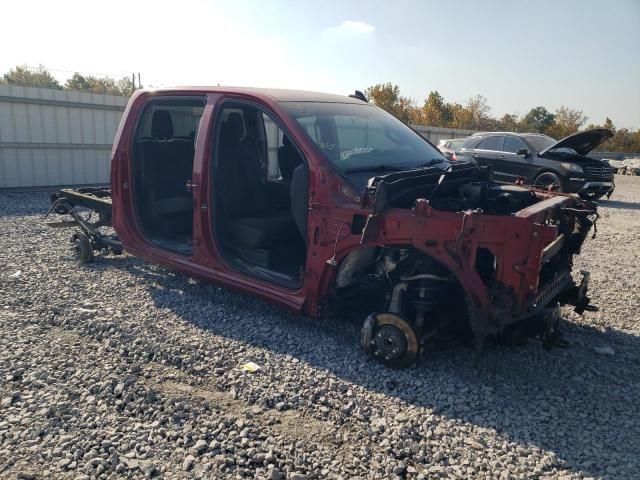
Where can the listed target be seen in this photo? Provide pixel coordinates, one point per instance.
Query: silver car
(448, 146)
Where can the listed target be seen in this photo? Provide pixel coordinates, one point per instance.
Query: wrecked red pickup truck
(326, 204)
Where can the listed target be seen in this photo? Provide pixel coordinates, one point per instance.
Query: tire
(82, 246)
(546, 180)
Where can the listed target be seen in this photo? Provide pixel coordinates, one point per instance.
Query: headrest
(161, 124)
(285, 140)
(235, 125)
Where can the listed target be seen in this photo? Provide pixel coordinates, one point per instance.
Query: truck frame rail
(82, 205)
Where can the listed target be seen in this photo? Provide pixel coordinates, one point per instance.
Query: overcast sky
(584, 54)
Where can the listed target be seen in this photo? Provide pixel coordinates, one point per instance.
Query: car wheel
(82, 246)
(548, 181)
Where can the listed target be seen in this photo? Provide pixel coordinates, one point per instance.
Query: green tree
(126, 86)
(78, 82)
(509, 123)
(29, 78)
(436, 112)
(105, 85)
(387, 97)
(539, 119)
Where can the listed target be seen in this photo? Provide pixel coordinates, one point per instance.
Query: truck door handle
(190, 186)
(474, 155)
(501, 157)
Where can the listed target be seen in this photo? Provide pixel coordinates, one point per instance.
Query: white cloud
(357, 26)
(351, 27)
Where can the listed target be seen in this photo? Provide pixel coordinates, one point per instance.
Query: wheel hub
(390, 339)
(390, 343)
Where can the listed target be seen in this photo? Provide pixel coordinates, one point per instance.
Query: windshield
(539, 142)
(363, 138)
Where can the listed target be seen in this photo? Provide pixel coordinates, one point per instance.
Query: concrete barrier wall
(55, 137)
(435, 134)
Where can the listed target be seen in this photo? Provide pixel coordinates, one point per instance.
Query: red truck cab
(325, 203)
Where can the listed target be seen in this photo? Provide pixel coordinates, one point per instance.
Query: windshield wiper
(393, 168)
(375, 168)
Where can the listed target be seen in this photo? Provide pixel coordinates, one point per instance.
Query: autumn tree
(387, 97)
(566, 121)
(479, 111)
(40, 77)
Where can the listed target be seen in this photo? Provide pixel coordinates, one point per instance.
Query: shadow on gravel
(619, 204)
(574, 402)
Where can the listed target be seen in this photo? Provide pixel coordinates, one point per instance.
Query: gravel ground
(122, 369)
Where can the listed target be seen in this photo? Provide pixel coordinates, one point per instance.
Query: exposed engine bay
(414, 293)
(462, 187)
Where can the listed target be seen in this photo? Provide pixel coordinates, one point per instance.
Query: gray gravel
(122, 369)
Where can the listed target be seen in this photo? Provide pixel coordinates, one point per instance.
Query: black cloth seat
(167, 166)
(288, 158)
(263, 232)
(248, 220)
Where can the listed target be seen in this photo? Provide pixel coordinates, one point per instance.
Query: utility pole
(133, 83)
(139, 83)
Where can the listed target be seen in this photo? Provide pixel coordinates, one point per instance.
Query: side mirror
(524, 152)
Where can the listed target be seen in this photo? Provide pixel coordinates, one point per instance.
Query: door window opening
(260, 180)
(163, 156)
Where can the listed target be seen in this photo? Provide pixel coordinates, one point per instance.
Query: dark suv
(542, 161)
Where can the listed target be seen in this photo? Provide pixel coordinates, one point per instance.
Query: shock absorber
(426, 299)
(426, 290)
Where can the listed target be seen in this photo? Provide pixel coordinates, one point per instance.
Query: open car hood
(582, 142)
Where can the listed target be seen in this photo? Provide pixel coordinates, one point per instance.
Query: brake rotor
(394, 341)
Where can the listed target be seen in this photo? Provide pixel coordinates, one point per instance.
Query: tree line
(41, 77)
(475, 114)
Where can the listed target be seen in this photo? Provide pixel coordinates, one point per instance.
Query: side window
(512, 144)
(491, 143)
